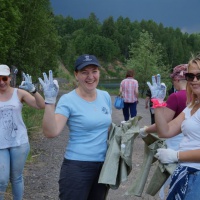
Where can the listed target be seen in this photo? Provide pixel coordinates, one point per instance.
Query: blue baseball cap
(85, 60)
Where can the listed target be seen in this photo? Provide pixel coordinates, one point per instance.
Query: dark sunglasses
(3, 78)
(191, 76)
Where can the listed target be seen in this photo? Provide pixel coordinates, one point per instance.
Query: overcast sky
(184, 14)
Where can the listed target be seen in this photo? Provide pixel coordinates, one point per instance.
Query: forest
(35, 40)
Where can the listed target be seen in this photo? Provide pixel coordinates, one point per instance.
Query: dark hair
(130, 73)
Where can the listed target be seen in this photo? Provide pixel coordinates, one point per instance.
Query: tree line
(28, 36)
(34, 40)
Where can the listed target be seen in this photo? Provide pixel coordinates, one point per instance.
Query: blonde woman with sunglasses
(14, 143)
(186, 177)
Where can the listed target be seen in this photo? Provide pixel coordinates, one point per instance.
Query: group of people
(87, 112)
(176, 102)
(177, 120)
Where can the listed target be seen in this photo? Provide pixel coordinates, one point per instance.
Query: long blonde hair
(191, 97)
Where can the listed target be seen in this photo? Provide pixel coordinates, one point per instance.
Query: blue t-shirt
(88, 124)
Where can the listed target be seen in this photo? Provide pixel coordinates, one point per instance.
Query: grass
(33, 121)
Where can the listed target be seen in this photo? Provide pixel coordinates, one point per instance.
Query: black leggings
(79, 181)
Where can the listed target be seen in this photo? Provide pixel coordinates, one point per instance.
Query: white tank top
(12, 128)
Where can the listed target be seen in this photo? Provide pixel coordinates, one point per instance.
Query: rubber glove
(27, 84)
(50, 88)
(142, 132)
(167, 155)
(158, 89)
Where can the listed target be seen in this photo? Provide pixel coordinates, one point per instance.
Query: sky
(183, 14)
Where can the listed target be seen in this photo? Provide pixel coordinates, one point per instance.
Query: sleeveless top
(13, 131)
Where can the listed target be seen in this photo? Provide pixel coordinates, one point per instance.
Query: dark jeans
(79, 181)
(129, 110)
(152, 117)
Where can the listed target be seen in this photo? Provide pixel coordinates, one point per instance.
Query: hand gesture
(158, 90)
(27, 84)
(167, 155)
(50, 88)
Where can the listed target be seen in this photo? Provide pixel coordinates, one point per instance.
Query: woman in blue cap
(87, 112)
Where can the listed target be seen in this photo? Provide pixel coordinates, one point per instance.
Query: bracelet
(157, 104)
(34, 91)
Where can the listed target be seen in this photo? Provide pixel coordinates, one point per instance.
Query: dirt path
(41, 176)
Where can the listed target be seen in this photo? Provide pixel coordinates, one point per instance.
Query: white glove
(27, 84)
(158, 90)
(167, 155)
(142, 132)
(50, 88)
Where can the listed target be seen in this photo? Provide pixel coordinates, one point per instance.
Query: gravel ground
(41, 175)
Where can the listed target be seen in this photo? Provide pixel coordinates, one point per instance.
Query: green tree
(10, 18)
(92, 26)
(37, 46)
(108, 28)
(123, 35)
(146, 60)
(102, 47)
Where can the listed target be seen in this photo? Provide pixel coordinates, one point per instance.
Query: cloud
(183, 14)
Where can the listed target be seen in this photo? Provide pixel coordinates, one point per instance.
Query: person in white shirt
(186, 177)
(14, 143)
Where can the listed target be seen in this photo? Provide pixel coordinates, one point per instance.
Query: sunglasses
(3, 78)
(191, 76)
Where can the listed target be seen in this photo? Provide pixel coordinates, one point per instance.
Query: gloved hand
(158, 90)
(50, 88)
(27, 84)
(142, 132)
(167, 155)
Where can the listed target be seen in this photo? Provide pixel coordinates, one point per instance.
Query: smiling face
(195, 83)
(88, 78)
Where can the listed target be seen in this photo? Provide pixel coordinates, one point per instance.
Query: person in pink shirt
(129, 91)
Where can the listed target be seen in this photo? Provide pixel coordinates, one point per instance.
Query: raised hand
(50, 88)
(158, 89)
(27, 84)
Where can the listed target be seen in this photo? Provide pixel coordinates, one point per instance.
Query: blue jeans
(79, 181)
(129, 110)
(193, 187)
(12, 161)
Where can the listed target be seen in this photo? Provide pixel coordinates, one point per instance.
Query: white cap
(4, 70)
